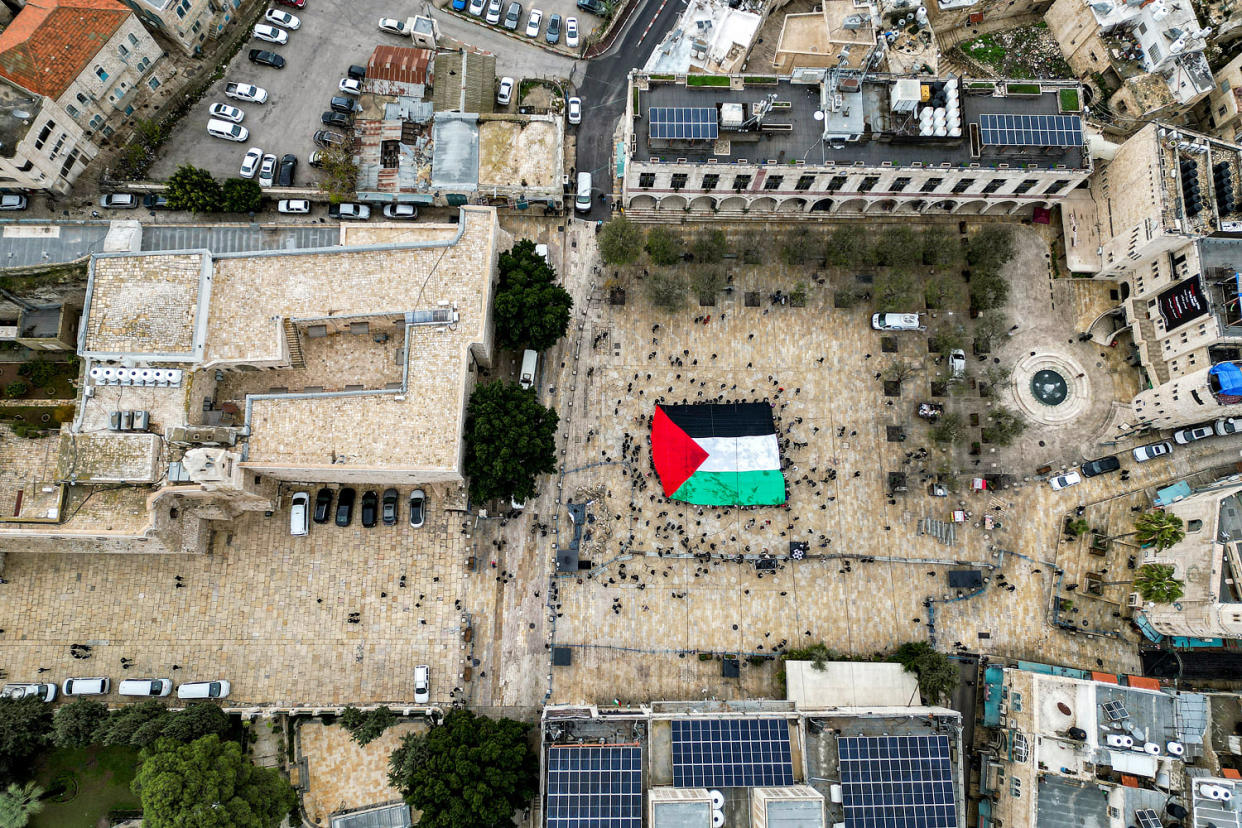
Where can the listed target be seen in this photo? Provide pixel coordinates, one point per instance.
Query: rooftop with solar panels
(752, 764)
(872, 121)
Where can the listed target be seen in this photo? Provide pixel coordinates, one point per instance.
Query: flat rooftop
(145, 306)
(791, 131)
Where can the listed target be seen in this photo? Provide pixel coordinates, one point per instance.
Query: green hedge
(1069, 100)
(1023, 88)
(707, 80)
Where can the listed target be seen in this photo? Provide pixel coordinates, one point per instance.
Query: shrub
(16, 388)
(663, 246)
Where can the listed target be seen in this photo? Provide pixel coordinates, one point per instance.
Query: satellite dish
(819, 115)
(22, 114)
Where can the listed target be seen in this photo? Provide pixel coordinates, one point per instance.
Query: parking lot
(565, 8)
(332, 36)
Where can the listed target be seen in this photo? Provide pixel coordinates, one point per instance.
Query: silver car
(1152, 450)
(42, 692)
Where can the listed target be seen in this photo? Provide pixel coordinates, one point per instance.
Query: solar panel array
(1031, 130)
(595, 786)
(897, 782)
(731, 753)
(1147, 818)
(683, 123)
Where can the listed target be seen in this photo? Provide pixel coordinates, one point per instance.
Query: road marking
(26, 231)
(654, 17)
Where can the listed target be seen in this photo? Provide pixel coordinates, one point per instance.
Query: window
(82, 99)
(143, 64)
(741, 182)
(26, 167)
(679, 180)
(711, 181)
(60, 144)
(154, 83)
(100, 73)
(994, 185)
(773, 182)
(129, 110)
(43, 135)
(107, 131)
(1154, 53)
(1057, 186)
(72, 110)
(868, 183)
(646, 180)
(196, 26)
(930, 185)
(837, 182)
(1142, 27)
(900, 184)
(804, 182)
(963, 185)
(68, 165)
(1020, 747)
(133, 39)
(122, 51)
(96, 121)
(1026, 185)
(1015, 786)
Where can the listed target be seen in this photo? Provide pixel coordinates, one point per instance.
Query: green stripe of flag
(764, 487)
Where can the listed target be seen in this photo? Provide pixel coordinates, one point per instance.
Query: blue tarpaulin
(1229, 375)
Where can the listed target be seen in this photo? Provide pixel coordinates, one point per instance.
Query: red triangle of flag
(676, 455)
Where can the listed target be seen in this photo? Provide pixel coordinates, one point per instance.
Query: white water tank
(1175, 748)
(1151, 748)
(717, 799)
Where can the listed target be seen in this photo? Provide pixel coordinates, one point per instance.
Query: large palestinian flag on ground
(718, 455)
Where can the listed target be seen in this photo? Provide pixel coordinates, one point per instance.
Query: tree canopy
(75, 724)
(1155, 582)
(18, 803)
(937, 674)
(25, 725)
(192, 188)
(238, 195)
(620, 241)
(86, 721)
(469, 772)
(366, 727)
(1159, 529)
(510, 439)
(531, 310)
(338, 174)
(663, 245)
(208, 783)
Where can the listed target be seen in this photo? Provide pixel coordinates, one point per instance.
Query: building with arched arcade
(822, 143)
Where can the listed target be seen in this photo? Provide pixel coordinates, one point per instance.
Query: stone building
(839, 34)
(1146, 57)
(1219, 111)
(824, 142)
(187, 23)
(91, 57)
(197, 401)
(41, 147)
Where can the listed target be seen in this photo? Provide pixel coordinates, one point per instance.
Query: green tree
(899, 247)
(895, 291)
(15, 389)
(531, 310)
(196, 721)
(1159, 529)
(240, 196)
(898, 371)
(663, 246)
(76, 724)
(988, 289)
(365, 728)
(620, 241)
(25, 727)
(944, 290)
(1005, 427)
(948, 336)
(469, 772)
(799, 248)
(940, 248)
(1155, 582)
(18, 803)
(989, 328)
(937, 674)
(707, 282)
(1076, 527)
(135, 724)
(208, 783)
(846, 246)
(191, 188)
(990, 248)
(950, 428)
(709, 247)
(338, 172)
(666, 290)
(510, 438)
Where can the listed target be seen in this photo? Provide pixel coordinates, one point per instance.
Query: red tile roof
(51, 42)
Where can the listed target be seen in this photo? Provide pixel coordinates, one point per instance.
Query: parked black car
(266, 58)
(345, 507)
(1103, 465)
(335, 119)
(370, 508)
(357, 72)
(323, 506)
(388, 514)
(154, 201)
(288, 166)
(340, 103)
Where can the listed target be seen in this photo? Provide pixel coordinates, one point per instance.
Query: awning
(1229, 375)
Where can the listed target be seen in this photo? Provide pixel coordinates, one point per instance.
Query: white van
(86, 686)
(422, 684)
(145, 687)
(583, 203)
(530, 363)
(203, 690)
(299, 514)
(896, 322)
(229, 132)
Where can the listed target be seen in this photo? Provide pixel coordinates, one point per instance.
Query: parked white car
(574, 110)
(43, 692)
(401, 211)
(98, 686)
(145, 687)
(226, 113)
(299, 509)
(271, 34)
(896, 322)
(957, 363)
(283, 18)
(494, 9)
(204, 690)
(350, 86)
(393, 26)
(534, 22)
(504, 93)
(12, 201)
(1064, 481)
(250, 162)
(571, 32)
(293, 205)
(267, 171)
(422, 684)
(246, 92)
(1152, 450)
(228, 131)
